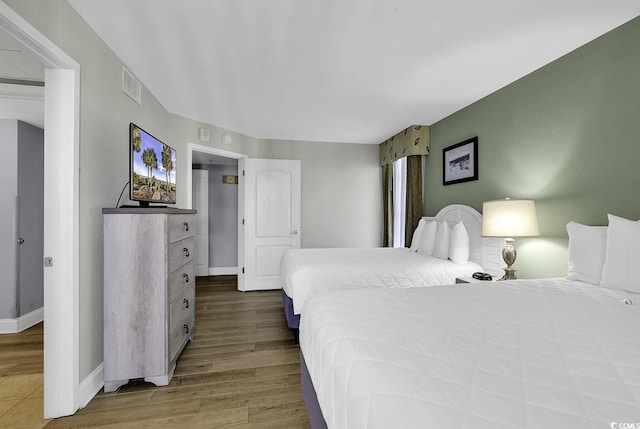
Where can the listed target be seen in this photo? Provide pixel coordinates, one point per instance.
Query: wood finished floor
(241, 370)
(21, 379)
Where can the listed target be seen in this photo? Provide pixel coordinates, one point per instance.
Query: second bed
(307, 272)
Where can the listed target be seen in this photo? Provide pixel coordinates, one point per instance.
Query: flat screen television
(152, 175)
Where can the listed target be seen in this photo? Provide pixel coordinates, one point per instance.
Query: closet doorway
(221, 203)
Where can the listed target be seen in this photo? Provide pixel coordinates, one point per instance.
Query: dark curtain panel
(414, 196)
(387, 203)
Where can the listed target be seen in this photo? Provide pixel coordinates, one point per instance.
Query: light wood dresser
(149, 292)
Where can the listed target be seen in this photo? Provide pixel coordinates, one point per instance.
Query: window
(399, 201)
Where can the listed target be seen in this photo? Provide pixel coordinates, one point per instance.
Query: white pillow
(459, 244)
(587, 252)
(428, 238)
(415, 239)
(441, 247)
(622, 263)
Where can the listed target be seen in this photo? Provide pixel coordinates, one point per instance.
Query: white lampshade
(509, 218)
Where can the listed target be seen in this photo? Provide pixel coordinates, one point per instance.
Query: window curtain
(387, 202)
(413, 211)
(412, 143)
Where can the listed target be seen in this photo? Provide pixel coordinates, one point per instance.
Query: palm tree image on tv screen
(153, 175)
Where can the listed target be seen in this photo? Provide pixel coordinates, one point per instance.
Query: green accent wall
(566, 135)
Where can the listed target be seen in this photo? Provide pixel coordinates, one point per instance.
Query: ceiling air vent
(131, 86)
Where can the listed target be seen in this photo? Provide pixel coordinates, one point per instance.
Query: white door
(200, 186)
(270, 201)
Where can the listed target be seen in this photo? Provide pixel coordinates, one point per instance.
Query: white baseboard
(91, 385)
(222, 271)
(13, 326)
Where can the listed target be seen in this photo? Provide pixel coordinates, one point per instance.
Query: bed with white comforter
(307, 272)
(552, 353)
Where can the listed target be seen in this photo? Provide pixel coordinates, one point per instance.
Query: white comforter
(525, 354)
(306, 272)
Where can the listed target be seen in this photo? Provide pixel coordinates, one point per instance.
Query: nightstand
(462, 280)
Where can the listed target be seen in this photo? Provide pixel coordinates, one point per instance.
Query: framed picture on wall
(460, 162)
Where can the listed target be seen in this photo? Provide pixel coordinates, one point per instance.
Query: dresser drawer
(181, 226)
(181, 320)
(180, 253)
(180, 279)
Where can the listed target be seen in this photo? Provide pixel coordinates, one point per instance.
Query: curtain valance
(411, 141)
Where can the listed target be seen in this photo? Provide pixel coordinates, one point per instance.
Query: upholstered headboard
(487, 252)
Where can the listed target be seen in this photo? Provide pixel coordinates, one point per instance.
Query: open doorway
(221, 205)
(21, 204)
(61, 211)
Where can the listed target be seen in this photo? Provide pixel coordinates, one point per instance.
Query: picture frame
(230, 180)
(460, 162)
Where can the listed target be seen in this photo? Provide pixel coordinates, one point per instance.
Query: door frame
(61, 207)
(193, 147)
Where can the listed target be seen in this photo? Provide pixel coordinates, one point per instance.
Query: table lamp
(507, 219)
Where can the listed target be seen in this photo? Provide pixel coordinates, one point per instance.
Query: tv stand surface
(133, 206)
(145, 210)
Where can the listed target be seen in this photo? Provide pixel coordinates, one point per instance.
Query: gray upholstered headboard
(487, 252)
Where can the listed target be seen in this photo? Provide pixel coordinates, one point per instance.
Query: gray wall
(8, 213)
(343, 191)
(104, 117)
(223, 216)
(567, 135)
(341, 182)
(341, 197)
(31, 217)
(21, 176)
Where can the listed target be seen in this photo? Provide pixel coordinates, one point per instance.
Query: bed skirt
(293, 320)
(310, 398)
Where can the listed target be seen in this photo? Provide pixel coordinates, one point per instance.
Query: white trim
(13, 326)
(61, 291)
(91, 385)
(223, 271)
(61, 206)
(9, 326)
(191, 147)
(21, 92)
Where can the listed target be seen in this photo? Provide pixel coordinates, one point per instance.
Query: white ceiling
(24, 101)
(207, 158)
(339, 70)
(16, 64)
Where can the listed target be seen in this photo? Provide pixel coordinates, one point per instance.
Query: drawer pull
(186, 303)
(186, 277)
(186, 252)
(186, 226)
(186, 329)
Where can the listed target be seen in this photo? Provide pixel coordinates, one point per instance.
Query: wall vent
(131, 86)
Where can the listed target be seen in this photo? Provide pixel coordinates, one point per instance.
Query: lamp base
(509, 274)
(509, 254)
